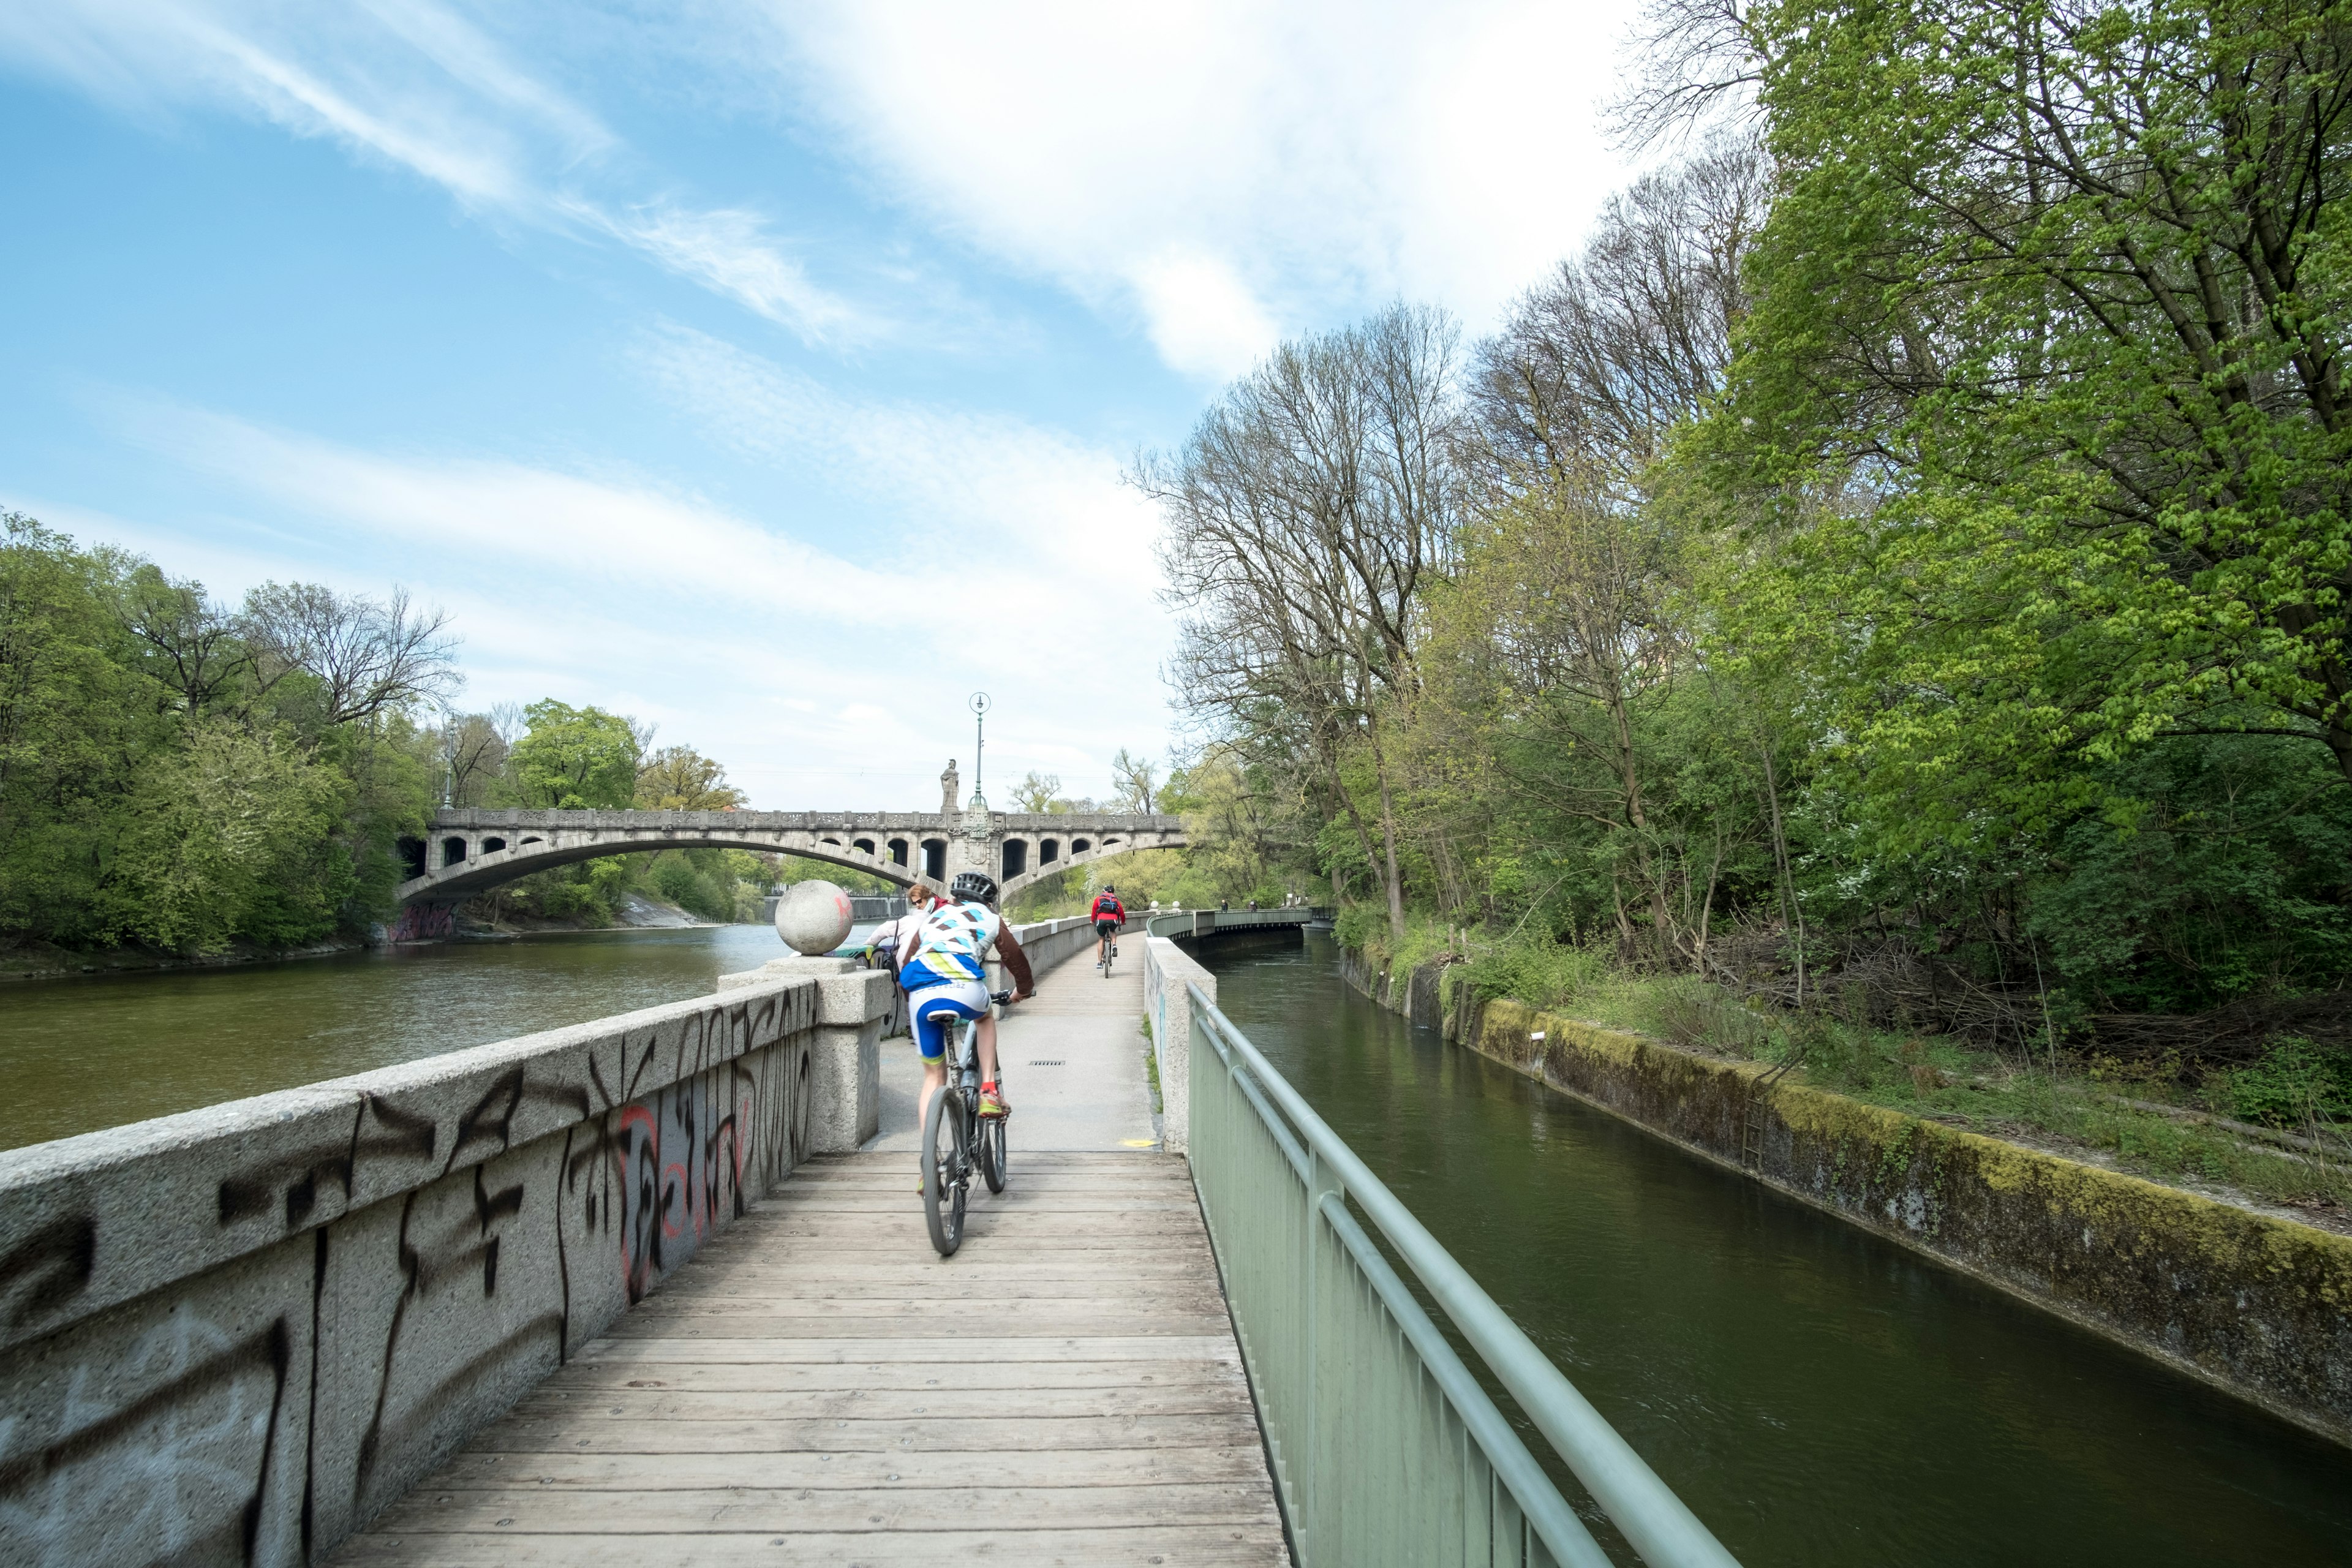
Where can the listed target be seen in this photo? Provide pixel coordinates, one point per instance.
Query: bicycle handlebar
(1002, 998)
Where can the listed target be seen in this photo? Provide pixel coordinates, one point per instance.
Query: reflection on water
(86, 1053)
(1817, 1395)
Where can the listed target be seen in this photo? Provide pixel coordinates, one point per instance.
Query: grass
(2049, 1096)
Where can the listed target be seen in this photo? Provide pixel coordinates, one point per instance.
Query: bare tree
(476, 753)
(197, 651)
(369, 658)
(1132, 777)
(1303, 515)
(1693, 63)
(1598, 364)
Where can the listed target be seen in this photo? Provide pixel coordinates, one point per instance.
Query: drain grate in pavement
(1057, 1063)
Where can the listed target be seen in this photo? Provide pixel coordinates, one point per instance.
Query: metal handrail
(1226, 1070)
(1182, 922)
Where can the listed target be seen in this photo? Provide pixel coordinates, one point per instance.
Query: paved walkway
(1072, 1059)
(819, 1387)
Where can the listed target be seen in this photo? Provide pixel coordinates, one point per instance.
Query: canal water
(80, 1053)
(1818, 1395)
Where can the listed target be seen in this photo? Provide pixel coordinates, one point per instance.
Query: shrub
(2294, 1084)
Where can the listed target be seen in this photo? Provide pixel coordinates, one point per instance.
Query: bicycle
(956, 1150)
(1110, 952)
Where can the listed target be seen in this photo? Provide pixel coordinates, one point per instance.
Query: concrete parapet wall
(1167, 970)
(2255, 1304)
(232, 1335)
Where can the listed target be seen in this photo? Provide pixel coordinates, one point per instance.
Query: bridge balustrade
(1386, 1447)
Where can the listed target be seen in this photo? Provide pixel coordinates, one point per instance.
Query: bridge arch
(466, 852)
(454, 882)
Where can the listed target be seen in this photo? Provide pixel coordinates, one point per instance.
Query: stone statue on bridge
(949, 784)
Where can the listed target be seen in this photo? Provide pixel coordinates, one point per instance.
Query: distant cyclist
(1109, 914)
(944, 971)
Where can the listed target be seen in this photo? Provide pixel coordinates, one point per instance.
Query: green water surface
(80, 1053)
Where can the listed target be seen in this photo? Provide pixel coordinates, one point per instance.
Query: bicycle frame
(949, 1184)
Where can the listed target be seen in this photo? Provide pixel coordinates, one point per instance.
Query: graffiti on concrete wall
(264, 1405)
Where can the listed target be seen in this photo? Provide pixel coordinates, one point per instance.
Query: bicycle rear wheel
(992, 1151)
(946, 1171)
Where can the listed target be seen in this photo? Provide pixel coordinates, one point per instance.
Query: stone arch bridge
(468, 852)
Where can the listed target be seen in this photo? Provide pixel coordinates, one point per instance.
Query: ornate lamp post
(978, 705)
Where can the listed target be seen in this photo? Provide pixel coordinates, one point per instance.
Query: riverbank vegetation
(1883, 602)
(187, 777)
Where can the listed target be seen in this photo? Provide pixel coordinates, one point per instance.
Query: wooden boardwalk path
(819, 1387)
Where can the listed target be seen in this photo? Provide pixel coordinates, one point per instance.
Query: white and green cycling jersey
(949, 945)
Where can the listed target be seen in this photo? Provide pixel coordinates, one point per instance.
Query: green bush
(1539, 973)
(691, 888)
(1354, 925)
(2294, 1084)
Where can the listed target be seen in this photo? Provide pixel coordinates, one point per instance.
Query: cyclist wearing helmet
(943, 969)
(1109, 914)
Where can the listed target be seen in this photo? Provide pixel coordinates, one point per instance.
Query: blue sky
(681, 354)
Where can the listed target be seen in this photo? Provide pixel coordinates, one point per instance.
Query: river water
(1818, 1395)
(86, 1053)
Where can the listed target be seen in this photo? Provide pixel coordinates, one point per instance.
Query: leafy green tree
(575, 759)
(228, 835)
(679, 778)
(76, 720)
(2042, 385)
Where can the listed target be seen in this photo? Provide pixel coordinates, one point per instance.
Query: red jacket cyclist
(1109, 914)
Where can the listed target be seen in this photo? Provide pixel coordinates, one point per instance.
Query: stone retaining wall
(231, 1336)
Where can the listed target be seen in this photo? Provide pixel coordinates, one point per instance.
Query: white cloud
(1021, 546)
(981, 491)
(729, 252)
(1223, 164)
(414, 85)
(1204, 319)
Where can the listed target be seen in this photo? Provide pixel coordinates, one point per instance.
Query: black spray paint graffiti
(187, 1434)
(42, 1274)
(651, 1171)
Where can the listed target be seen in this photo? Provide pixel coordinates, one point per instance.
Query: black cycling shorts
(1105, 928)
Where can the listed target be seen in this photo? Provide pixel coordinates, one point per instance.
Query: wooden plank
(942, 1403)
(1158, 1546)
(572, 1469)
(1026, 1325)
(980, 1272)
(980, 1219)
(675, 1513)
(974, 1434)
(1218, 1347)
(886, 1178)
(802, 1377)
(1170, 1299)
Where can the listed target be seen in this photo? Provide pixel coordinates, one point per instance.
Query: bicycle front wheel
(992, 1151)
(946, 1171)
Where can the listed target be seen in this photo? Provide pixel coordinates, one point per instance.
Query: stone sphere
(812, 917)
